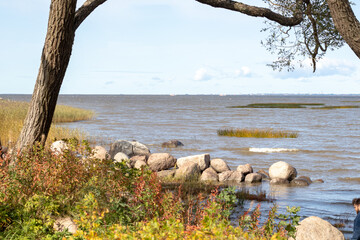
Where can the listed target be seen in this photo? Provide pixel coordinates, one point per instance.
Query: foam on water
(273, 150)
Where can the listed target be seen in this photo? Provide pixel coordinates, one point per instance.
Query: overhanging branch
(84, 11)
(254, 11)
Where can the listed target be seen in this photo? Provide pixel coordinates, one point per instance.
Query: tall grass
(12, 116)
(256, 133)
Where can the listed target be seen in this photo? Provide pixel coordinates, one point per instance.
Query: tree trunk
(54, 61)
(346, 23)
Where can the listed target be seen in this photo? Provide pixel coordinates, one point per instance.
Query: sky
(163, 47)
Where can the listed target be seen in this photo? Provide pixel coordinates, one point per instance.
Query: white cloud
(243, 72)
(202, 74)
(326, 67)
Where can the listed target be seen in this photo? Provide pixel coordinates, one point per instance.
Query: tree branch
(84, 11)
(254, 11)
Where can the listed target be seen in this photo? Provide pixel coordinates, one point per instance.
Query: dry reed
(256, 133)
(12, 116)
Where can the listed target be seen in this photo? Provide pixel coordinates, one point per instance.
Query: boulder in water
(282, 170)
(172, 144)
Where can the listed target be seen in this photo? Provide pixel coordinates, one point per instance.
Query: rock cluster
(192, 168)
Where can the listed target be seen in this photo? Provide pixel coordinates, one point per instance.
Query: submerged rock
(282, 170)
(172, 144)
(263, 173)
(279, 181)
(306, 178)
(300, 182)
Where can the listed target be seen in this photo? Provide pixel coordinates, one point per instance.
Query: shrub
(112, 201)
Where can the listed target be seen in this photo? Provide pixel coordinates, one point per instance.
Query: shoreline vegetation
(296, 106)
(13, 113)
(74, 195)
(256, 133)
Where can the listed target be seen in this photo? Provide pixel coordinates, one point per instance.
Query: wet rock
(164, 174)
(282, 170)
(253, 178)
(188, 171)
(312, 228)
(172, 144)
(139, 164)
(264, 174)
(236, 177)
(300, 182)
(202, 160)
(245, 169)
(119, 157)
(100, 153)
(161, 161)
(132, 148)
(279, 181)
(58, 147)
(224, 176)
(306, 178)
(62, 224)
(209, 175)
(219, 165)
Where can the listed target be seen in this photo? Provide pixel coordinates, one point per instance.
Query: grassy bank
(256, 133)
(108, 200)
(12, 116)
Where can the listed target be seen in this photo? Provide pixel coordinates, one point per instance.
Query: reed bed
(13, 113)
(337, 107)
(278, 105)
(256, 133)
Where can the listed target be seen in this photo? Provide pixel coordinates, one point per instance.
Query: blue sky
(162, 47)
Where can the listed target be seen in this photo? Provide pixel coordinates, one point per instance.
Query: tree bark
(254, 11)
(54, 61)
(62, 24)
(346, 23)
